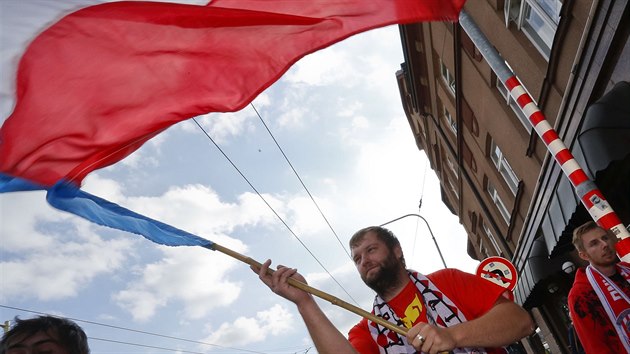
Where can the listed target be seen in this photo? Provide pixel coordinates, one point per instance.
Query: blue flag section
(67, 197)
(16, 184)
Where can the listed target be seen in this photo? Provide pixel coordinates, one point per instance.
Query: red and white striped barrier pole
(587, 191)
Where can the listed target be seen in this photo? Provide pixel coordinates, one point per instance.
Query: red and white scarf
(614, 300)
(441, 311)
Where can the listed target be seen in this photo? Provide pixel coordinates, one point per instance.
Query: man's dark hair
(382, 234)
(69, 334)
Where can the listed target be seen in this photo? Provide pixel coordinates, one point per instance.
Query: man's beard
(386, 277)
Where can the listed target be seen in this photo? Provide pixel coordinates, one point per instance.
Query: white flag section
(338, 117)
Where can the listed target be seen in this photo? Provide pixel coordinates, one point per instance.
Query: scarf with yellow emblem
(441, 311)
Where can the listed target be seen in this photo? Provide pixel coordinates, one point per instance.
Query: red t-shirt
(592, 324)
(472, 295)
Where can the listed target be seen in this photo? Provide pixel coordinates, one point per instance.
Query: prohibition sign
(499, 271)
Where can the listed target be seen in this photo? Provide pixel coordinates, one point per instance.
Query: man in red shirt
(443, 311)
(599, 299)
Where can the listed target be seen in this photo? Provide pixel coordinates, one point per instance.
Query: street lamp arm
(430, 231)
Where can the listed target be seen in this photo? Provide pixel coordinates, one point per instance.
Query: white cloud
(348, 109)
(294, 117)
(296, 107)
(306, 220)
(223, 126)
(388, 149)
(360, 122)
(199, 209)
(245, 330)
(354, 110)
(355, 64)
(193, 277)
(104, 187)
(143, 158)
(20, 215)
(262, 101)
(56, 263)
(323, 68)
(253, 211)
(62, 271)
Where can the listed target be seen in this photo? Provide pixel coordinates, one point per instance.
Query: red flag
(99, 83)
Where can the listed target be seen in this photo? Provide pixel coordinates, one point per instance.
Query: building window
(513, 104)
(498, 202)
(482, 249)
(453, 187)
(492, 239)
(451, 165)
(449, 119)
(538, 19)
(449, 78)
(502, 165)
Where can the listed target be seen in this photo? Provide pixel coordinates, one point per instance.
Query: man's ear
(584, 256)
(398, 251)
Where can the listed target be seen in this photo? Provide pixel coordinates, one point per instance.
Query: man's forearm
(327, 338)
(505, 323)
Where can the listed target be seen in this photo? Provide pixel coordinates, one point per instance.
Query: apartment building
(573, 58)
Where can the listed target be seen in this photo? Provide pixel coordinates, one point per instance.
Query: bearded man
(448, 310)
(599, 301)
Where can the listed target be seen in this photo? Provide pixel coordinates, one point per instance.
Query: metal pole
(589, 194)
(430, 231)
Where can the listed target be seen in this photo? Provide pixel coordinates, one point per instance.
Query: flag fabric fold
(100, 82)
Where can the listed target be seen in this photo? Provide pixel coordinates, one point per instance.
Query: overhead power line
(300, 179)
(134, 331)
(144, 345)
(273, 210)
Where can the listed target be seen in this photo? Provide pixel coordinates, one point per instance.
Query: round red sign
(499, 271)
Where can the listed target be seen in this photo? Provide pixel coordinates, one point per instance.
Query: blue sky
(338, 117)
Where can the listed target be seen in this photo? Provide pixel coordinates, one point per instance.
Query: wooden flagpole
(309, 289)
